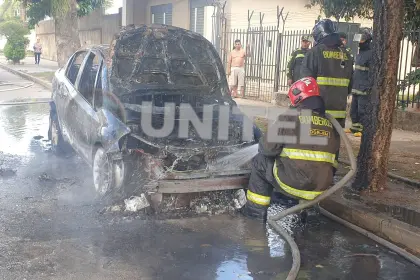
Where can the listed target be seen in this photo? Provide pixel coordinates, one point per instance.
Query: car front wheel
(108, 175)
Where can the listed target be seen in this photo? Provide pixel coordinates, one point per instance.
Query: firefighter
(362, 83)
(343, 38)
(295, 61)
(332, 67)
(299, 170)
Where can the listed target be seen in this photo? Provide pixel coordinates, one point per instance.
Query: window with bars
(161, 14)
(197, 20)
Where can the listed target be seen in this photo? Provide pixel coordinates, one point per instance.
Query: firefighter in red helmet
(296, 162)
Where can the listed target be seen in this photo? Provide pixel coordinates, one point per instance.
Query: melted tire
(58, 145)
(109, 177)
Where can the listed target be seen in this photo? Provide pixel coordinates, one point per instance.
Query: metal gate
(290, 41)
(260, 65)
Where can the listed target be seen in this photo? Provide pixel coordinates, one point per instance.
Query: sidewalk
(45, 70)
(29, 65)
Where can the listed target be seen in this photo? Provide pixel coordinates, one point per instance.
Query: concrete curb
(401, 234)
(29, 77)
(28, 101)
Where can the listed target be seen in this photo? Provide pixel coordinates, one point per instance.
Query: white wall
(299, 16)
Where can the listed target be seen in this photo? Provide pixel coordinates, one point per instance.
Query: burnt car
(106, 96)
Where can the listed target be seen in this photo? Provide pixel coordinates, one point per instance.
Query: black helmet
(322, 29)
(343, 35)
(366, 35)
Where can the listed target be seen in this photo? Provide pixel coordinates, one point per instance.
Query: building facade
(198, 15)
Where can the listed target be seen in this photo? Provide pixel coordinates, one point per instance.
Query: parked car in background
(97, 103)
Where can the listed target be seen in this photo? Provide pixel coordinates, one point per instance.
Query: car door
(65, 94)
(85, 121)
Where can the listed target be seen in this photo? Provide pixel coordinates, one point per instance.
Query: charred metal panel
(202, 185)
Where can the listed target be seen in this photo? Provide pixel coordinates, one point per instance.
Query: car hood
(187, 121)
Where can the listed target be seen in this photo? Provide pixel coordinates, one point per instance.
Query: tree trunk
(374, 150)
(67, 34)
(23, 6)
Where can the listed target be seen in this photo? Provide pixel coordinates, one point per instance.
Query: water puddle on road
(23, 128)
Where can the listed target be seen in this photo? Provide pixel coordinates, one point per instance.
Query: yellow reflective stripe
(359, 92)
(357, 127)
(337, 114)
(335, 164)
(362, 68)
(308, 155)
(307, 195)
(258, 199)
(300, 55)
(329, 81)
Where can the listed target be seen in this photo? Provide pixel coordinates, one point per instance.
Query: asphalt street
(53, 228)
(14, 88)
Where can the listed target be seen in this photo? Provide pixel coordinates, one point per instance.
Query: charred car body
(105, 96)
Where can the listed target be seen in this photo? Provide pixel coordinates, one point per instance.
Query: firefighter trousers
(262, 184)
(358, 112)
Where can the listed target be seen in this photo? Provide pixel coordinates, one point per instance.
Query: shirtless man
(236, 69)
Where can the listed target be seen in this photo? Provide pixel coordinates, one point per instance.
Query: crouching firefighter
(362, 83)
(301, 169)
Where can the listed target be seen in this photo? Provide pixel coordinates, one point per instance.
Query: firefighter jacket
(350, 52)
(332, 67)
(362, 80)
(294, 64)
(303, 167)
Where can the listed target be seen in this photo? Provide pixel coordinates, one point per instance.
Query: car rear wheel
(108, 176)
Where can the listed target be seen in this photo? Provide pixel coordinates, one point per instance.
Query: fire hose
(295, 209)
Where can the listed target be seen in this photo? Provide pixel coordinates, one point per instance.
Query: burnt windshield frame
(208, 73)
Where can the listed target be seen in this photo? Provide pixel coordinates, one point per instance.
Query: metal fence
(266, 67)
(290, 41)
(260, 66)
(409, 71)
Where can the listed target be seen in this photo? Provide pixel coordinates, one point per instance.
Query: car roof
(102, 48)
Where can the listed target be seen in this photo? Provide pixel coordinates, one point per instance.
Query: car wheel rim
(119, 172)
(101, 172)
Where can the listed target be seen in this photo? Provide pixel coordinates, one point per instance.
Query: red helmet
(303, 89)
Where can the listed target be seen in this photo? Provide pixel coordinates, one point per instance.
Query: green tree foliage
(12, 29)
(412, 20)
(7, 9)
(15, 32)
(349, 9)
(15, 49)
(344, 9)
(37, 11)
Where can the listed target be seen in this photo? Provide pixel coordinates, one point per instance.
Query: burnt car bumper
(195, 182)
